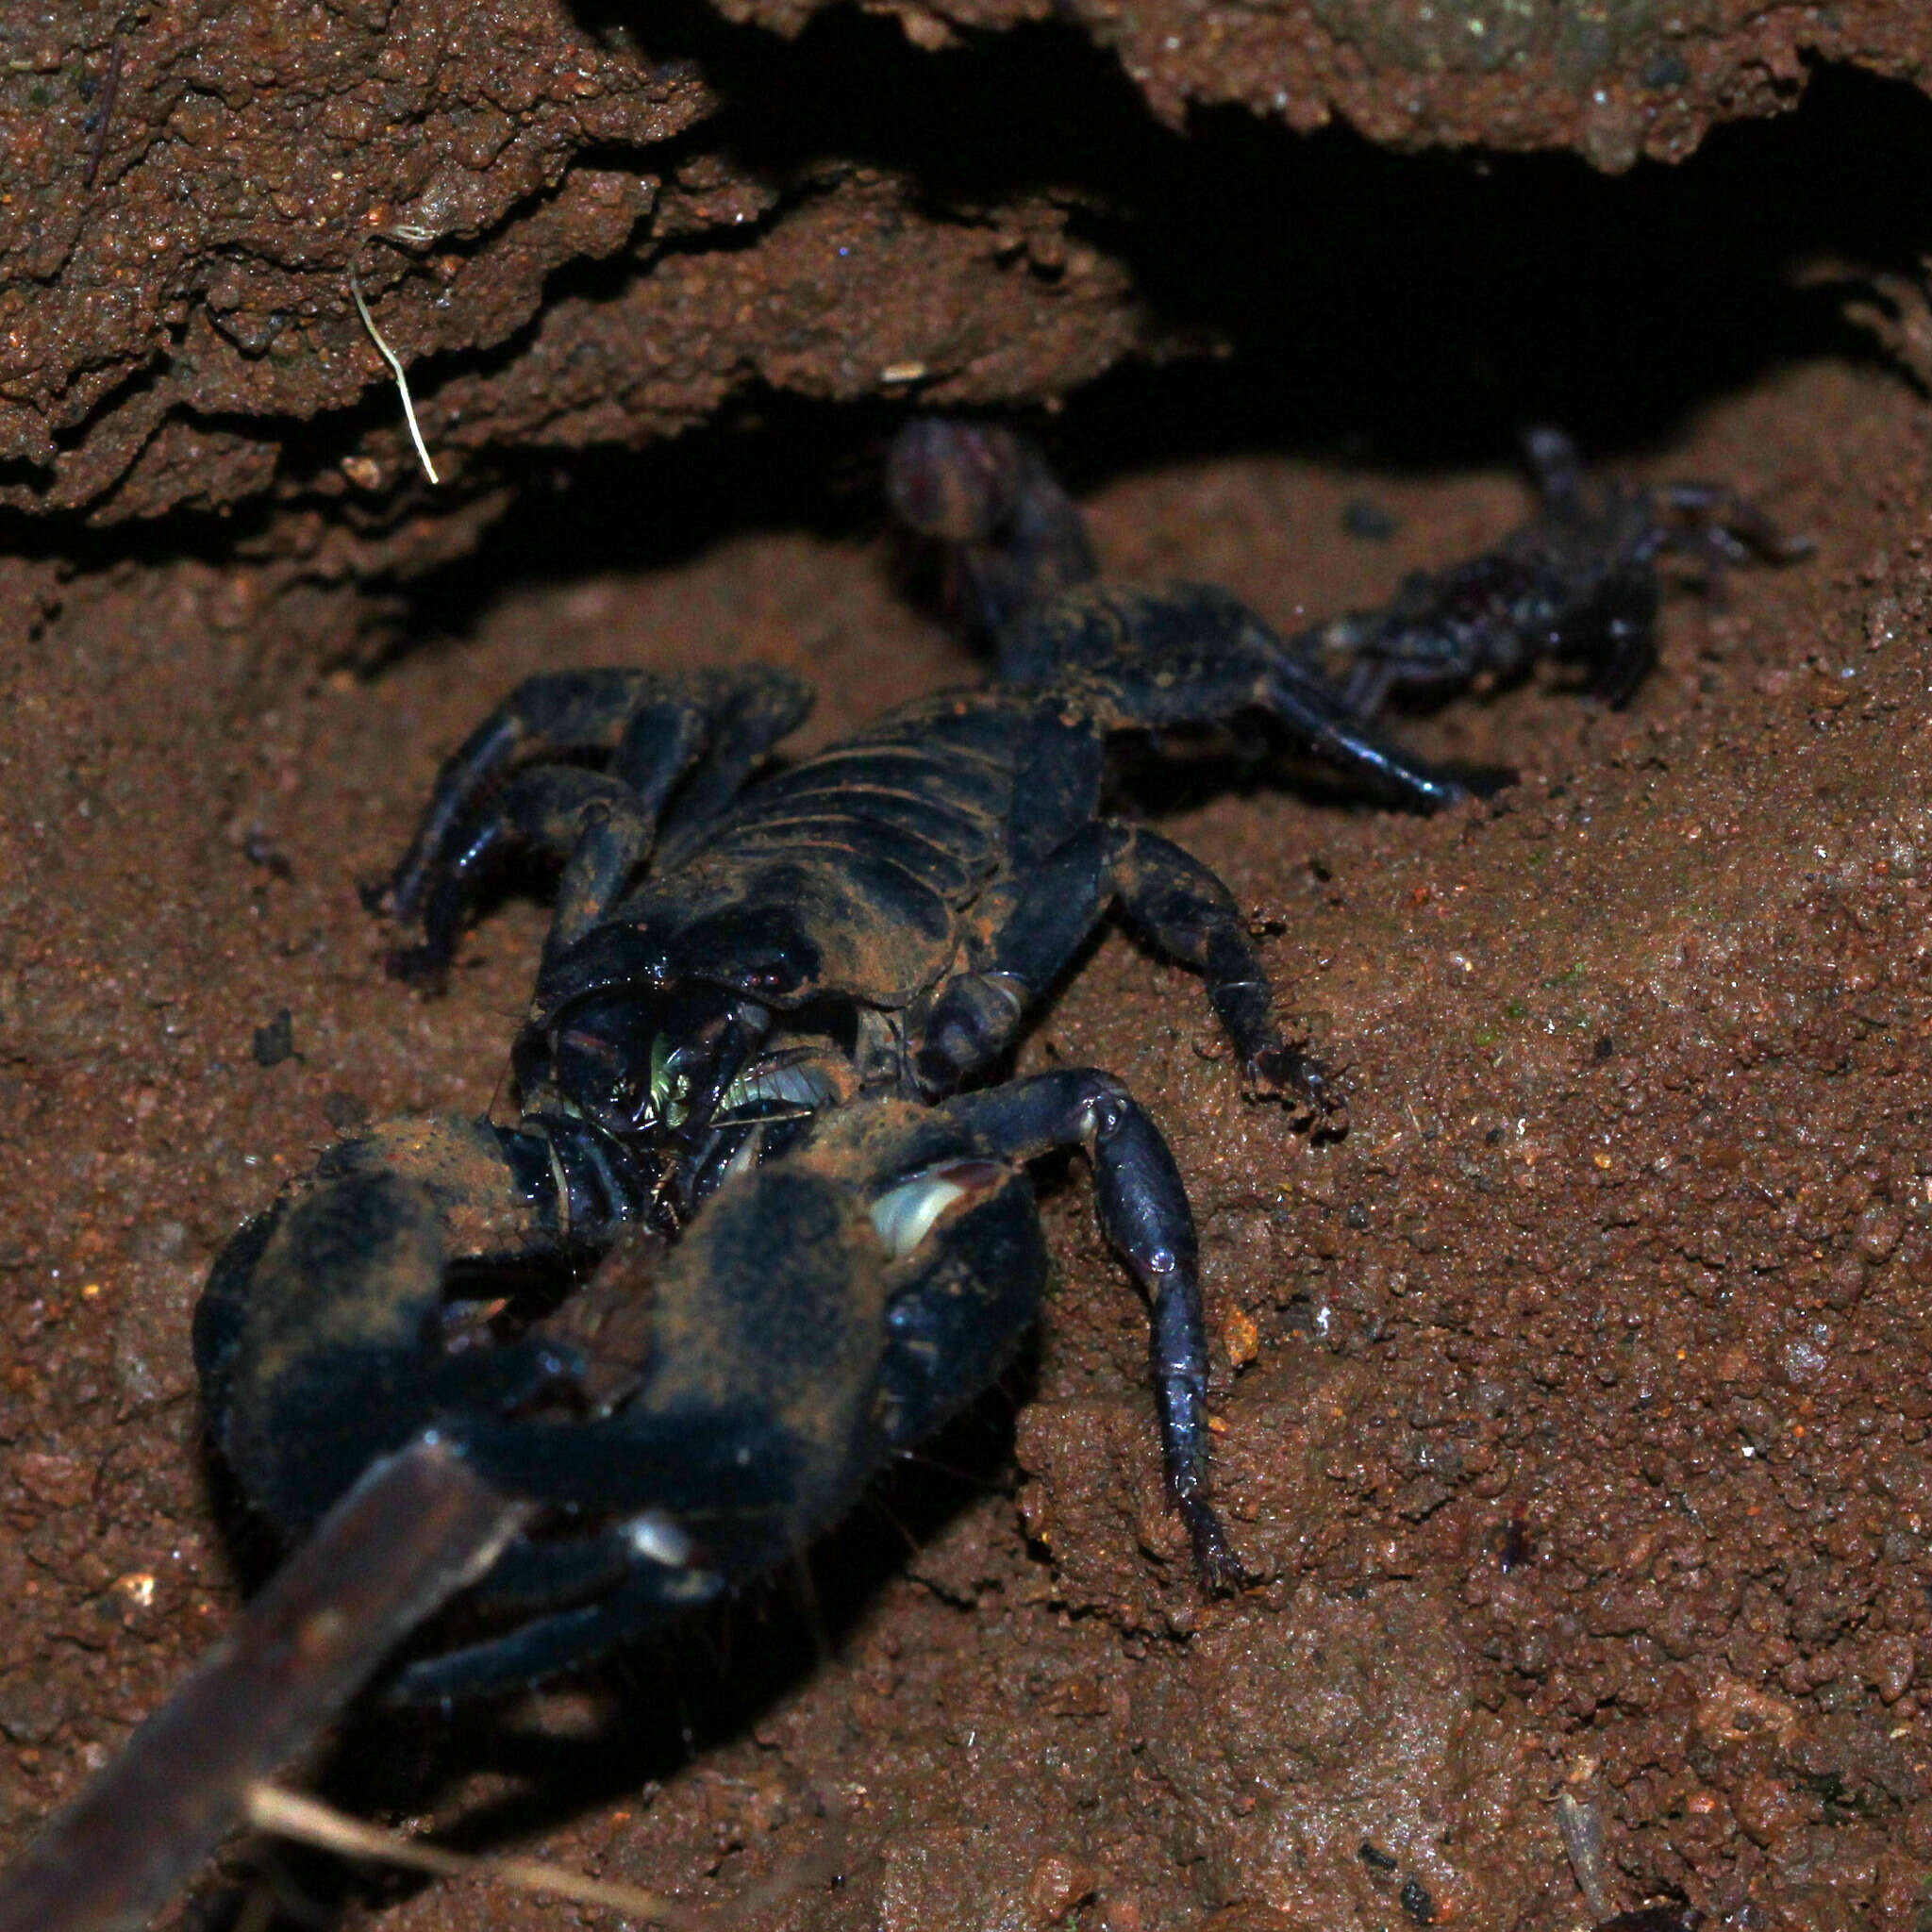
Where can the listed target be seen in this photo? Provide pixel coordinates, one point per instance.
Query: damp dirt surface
(1573, 1408)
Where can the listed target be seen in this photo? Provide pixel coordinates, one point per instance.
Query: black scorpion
(760, 1007)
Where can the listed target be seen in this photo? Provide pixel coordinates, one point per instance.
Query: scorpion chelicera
(763, 1026)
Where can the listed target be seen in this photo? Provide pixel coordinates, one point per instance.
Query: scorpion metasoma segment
(758, 1006)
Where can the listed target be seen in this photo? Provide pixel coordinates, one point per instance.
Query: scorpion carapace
(765, 991)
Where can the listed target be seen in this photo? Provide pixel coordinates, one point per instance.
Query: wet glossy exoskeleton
(753, 984)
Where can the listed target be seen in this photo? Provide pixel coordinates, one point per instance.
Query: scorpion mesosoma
(762, 1025)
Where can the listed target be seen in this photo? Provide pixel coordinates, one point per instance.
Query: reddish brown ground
(1577, 1403)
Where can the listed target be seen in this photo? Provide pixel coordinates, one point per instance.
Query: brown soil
(585, 231)
(1573, 1401)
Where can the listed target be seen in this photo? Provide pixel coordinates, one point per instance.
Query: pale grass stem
(388, 356)
(289, 1814)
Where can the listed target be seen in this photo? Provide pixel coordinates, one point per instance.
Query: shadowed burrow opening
(1309, 295)
(1315, 296)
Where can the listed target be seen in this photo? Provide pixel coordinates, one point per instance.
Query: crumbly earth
(1576, 1402)
(584, 229)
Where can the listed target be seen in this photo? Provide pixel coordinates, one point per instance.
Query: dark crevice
(1409, 310)
(1416, 311)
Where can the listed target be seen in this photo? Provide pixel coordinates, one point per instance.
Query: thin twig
(289, 1814)
(388, 356)
(413, 1531)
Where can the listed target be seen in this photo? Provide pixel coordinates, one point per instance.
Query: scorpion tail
(1013, 537)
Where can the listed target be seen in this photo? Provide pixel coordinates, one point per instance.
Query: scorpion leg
(1709, 522)
(643, 1601)
(650, 731)
(1144, 1211)
(760, 707)
(1021, 554)
(1317, 718)
(1614, 630)
(1722, 526)
(593, 822)
(1190, 654)
(548, 716)
(976, 1014)
(1617, 633)
(1071, 866)
(1173, 900)
(1185, 910)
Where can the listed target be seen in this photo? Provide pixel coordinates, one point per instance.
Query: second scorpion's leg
(1617, 633)
(1715, 521)
(1144, 1211)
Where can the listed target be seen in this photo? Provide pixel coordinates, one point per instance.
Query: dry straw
(388, 356)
